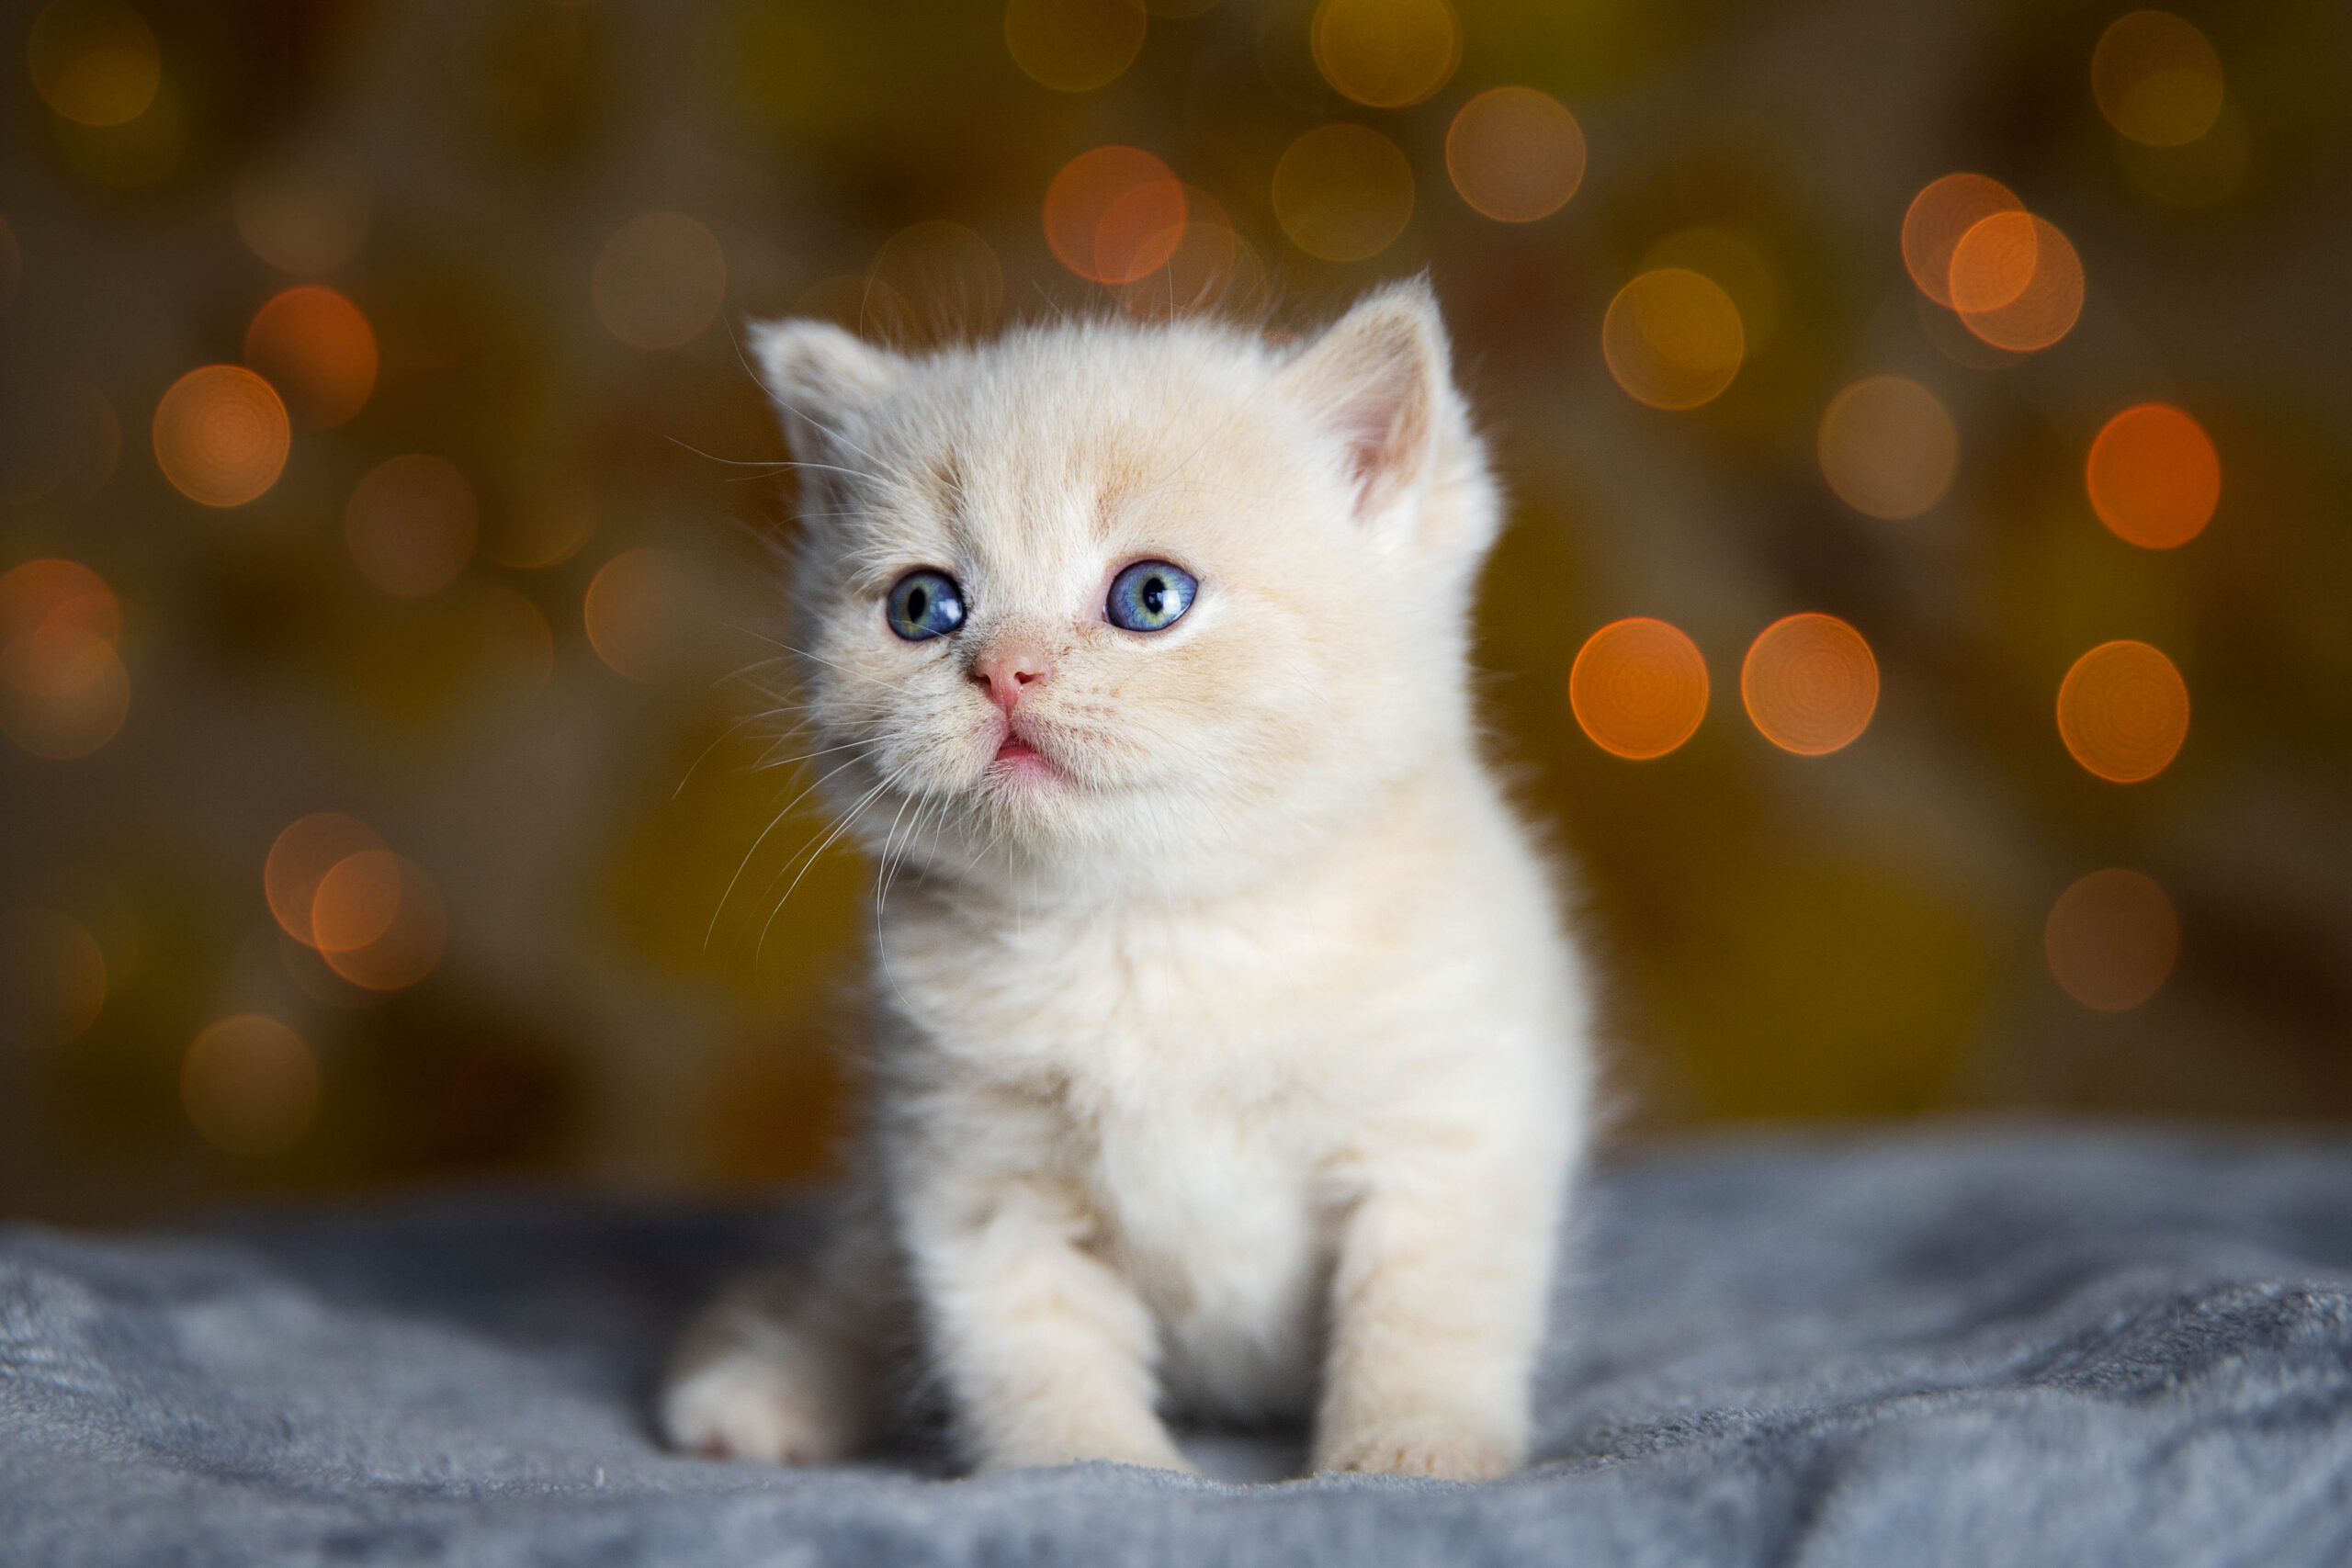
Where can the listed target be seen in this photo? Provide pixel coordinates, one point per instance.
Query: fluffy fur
(1234, 1056)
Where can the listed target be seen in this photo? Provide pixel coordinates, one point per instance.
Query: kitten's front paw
(1449, 1448)
(743, 1404)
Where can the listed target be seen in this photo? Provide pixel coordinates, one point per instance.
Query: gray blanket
(2029, 1346)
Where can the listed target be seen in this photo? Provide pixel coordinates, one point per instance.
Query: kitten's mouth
(1016, 759)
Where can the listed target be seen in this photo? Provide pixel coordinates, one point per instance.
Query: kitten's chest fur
(1186, 1077)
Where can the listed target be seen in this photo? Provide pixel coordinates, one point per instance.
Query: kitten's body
(1234, 1057)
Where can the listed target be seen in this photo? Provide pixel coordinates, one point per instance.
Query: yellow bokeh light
(1114, 214)
(1344, 192)
(2111, 939)
(302, 211)
(221, 435)
(299, 859)
(1729, 259)
(316, 348)
(2124, 711)
(389, 914)
(1673, 338)
(1074, 45)
(250, 1086)
(1386, 54)
(1638, 688)
(2203, 172)
(1944, 211)
(2156, 79)
(53, 977)
(639, 612)
(2017, 282)
(410, 524)
(2153, 477)
(1887, 447)
(95, 61)
(1809, 683)
(1516, 154)
(63, 690)
(949, 277)
(659, 280)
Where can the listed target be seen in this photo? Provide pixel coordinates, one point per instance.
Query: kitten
(1234, 1056)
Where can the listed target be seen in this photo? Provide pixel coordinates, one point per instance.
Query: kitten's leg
(1046, 1351)
(783, 1366)
(1438, 1307)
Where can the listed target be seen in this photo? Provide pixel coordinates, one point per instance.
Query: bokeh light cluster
(375, 434)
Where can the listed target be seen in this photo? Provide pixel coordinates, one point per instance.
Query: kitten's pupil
(1155, 594)
(916, 601)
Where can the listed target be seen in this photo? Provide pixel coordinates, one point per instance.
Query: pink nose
(1008, 668)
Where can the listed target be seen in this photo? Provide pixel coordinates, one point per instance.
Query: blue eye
(924, 604)
(1150, 596)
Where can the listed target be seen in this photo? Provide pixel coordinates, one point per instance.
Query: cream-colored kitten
(1234, 1057)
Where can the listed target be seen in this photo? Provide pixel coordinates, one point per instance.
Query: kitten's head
(1130, 607)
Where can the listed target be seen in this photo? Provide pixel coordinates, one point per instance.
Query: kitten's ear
(1379, 379)
(821, 379)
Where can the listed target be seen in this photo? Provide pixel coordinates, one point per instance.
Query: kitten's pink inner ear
(1374, 381)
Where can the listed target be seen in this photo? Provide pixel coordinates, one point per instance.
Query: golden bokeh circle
(94, 62)
(2111, 939)
(1638, 688)
(2017, 282)
(250, 1086)
(2156, 79)
(2124, 711)
(637, 614)
(313, 346)
(299, 859)
(1673, 339)
(1888, 448)
(2153, 476)
(396, 906)
(412, 524)
(1386, 54)
(659, 280)
(221, 435)
(1074, 45)
(1809, 683)
(1114, 214)
(1944, 211)
(1344, 192)
(1516, 154)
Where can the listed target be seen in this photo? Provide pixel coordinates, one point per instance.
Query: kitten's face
(1116, 602)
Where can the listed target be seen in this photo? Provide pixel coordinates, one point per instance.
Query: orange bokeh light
(640, 614)
(2153, 476)
(316, 347)
(2017, 282)
(2111, 939)
(1211, 266)
(1114, 214)
(2124, 711)
(1673, 339)
(1386, 54)
(1937, 218)
(410, 524)
(63, 690)
(221, 435)
(380, 921)
(1810, 684)
(1638, 687)
(298, 862)
(1516, 154)
(1888, 448)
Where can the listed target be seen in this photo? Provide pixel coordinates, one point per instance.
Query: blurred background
(1926, 615)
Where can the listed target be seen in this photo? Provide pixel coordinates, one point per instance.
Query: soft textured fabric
(2013, 1347)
